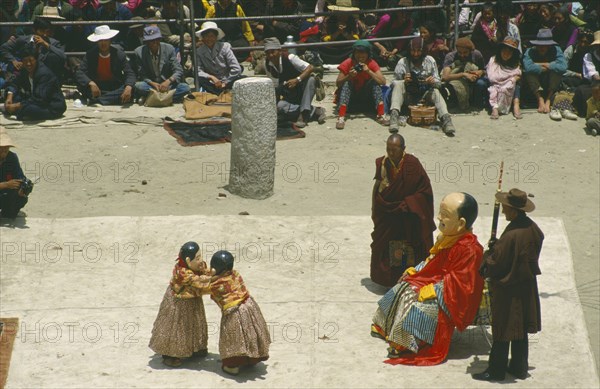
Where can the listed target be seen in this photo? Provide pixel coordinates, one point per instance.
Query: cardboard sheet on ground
(87, 292)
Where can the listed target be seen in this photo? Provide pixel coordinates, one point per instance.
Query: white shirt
(296, 62)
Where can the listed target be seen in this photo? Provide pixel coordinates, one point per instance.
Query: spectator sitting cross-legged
(12, 198)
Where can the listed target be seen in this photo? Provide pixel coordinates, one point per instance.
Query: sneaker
(565, 113)
(320, 115)
(402, 121)
(341, 123)
(447, 126)
(382, 120)
(394, 120)
(555, 115)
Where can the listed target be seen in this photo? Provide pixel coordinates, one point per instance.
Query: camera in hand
(418, 76)
(358, 68)
(26, 186)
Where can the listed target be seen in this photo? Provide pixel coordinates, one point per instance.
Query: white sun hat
(102, 33)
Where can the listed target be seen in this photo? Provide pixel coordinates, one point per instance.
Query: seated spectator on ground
(56, 10)
(12, 198)
(35, 94)
(563, 32)
(464, 72)
(416, 79)
(504, 73)
(295, 88)
(339, 26)
(529, 23)
(574, 54)
(546, 13)
(49, 51)
(591, 73)
(105, 76)
(432, 45)
(484, 32)
(217, 66)
(172, 31)
(543, 66)
(359, 85)
(399, 23)
(281, 28)
(135, 35)
(593, 110)
(503, 11)
(158, 68)
(237, 33)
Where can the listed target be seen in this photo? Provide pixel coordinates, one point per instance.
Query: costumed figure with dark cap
(463, 71)
(295, 86)
(417, 317)
(504, 73)
(14, 186)
(36, 93)
(244, 337)
(543, 66)
(402, 213)
(158, 67)
(218, 68)
(105, 75)
(180, 329)
(511, 267)
(49, 51)
(359, 85)
(416, 79)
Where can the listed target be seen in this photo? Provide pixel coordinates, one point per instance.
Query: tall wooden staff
(496, 210)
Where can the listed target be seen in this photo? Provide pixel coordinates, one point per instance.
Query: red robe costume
(458, 268)
(403, 211)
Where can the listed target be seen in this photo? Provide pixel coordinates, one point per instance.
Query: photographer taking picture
(14, 186)
(417, 79)
(359, 84)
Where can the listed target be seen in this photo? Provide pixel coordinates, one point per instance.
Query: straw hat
(49, 12)
(342, 6)
(596, 39)
(5, 140)
(516, 198)
(101, 33)
(210, 26)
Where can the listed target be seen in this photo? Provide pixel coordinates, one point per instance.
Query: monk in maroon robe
(402, 214)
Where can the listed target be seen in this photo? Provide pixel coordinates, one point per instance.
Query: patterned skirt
(403, 321)
(180, 327)
(244, 337)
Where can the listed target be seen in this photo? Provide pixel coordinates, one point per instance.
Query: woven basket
(421, 115)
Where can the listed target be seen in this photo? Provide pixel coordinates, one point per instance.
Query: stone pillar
(254, 130)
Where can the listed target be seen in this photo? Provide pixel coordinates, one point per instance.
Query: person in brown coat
(511, 265)
(402, 214)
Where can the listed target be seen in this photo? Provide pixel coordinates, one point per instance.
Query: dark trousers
(209, 87)
(107, 96)
(11, 203)
(548, 81)
(519, 354)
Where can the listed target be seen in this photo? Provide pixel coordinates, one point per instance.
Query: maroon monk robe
(402, 212)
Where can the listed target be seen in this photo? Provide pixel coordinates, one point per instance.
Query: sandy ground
(96, 167)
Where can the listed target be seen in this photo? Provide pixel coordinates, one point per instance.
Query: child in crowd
(593, 110)
(180, 329)
(504, 72)
(244, 338)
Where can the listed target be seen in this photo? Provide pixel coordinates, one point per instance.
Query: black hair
(189, 250)
(513, 62)
(503, 7)
(29, 50)
(488, 6)
(41, 24)
(222, 261)
(564, 11)
(431, 27)
(468, 210)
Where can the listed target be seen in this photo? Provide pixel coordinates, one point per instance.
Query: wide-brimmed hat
(5, 140)
(544, 38)
(516, 198)
(342, 6)
(49, 12)
(104, 1)
(510, 42)
(151, 33)
(596, 39)
(272, 44)
(101, 33)
(136, 25)
(210, 26)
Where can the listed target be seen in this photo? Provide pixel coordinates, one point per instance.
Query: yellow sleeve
(410, 271)
(326, 38)
(202, 283)
(210, 9)
(246, 30)
(427, 292)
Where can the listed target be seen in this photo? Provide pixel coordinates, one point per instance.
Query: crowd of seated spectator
(555, 45)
